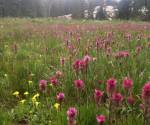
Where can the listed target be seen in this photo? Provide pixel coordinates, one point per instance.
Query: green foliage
(5, 118)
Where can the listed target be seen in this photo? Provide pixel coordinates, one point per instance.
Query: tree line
(52, 8)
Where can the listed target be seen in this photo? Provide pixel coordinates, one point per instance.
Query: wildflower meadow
(69, 72)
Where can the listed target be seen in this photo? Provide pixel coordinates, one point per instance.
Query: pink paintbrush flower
(146, 93)
(42, 85)
(111, 86)
(79, 84)
(76, 65)
(97, 96)
(60, 97)
(87, 58)
(121, 54)
(71, 116)
(53, 81)
(100, 119)
(59, 74)
(127, 83)
(117, 98)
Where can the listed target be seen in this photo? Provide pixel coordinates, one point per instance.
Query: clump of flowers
(122, 54)
(53, 80)
(42, 85)
(117, 98)
(79, 65)
(59, 74)
(82, 64)
(56, 106)
(30, 82)
(97, 96)
(35, 97)
(60, 97)
(111, 91)
(71, 116)
(87, 58)
(16, 93)
(100, 119)
(26, 93)
(34, 100)
(146, 101)
(146, 93)
(79, 84)
(111, 86)
(22, 101)
(127, 83)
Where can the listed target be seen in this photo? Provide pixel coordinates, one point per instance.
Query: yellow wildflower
(16, 93)
(34, 97)
(23, 101)
(5, 75)
(30, 82)
(26, 93)
(37, 104)
(51, 85)
(56, 106)
(33, 100)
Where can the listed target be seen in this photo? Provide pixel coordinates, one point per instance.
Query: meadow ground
(99, 68)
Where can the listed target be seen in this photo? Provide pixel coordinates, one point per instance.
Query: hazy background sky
(54, 8)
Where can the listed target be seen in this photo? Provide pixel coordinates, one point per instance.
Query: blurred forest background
(52, 8)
